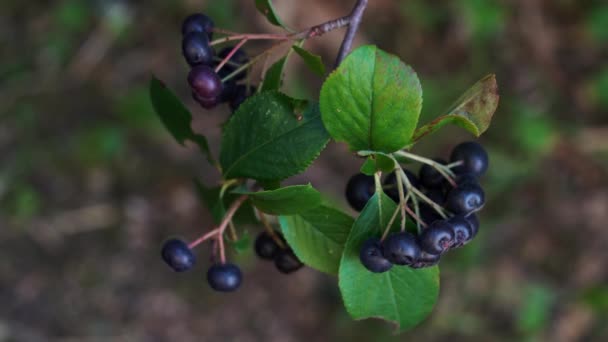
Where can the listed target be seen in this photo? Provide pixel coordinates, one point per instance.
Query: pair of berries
(225, 277)
(267, 248)
(207, 87)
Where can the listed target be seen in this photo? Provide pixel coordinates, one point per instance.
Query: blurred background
(91, 183)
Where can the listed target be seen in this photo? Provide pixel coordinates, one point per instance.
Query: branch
(355, 19)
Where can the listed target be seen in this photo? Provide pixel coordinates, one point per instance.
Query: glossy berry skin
(198, 22)
(401, 248)
(286, 261)
(205, 82)
(436, 238)
(178, 255)
(196, 49)
(204, 102)
(426, 260)
(265, 246)
(239, 57)
(463, 230)
(372, 258)
(474, 156)
(390, 184)
(465, 198)
(224, 277)
(359, 189)
(429, 177)
(474, 222)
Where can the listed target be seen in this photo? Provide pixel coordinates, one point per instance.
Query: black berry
(239, 58)
(286, 261)
(430, 178)
(401, 248)
(436, 238)
(228, 90)
(359, 189)
(196, 49)
(205, 82)
(178, 255)
(266, 247)
(474, 222)
(474, 157)
(426, 260)
(372, 258)
(198, 23)
(463, 230)
(240, 95)
(390, 184)
(465, 198)
(427, 213)
(207, 103)
(224, 277)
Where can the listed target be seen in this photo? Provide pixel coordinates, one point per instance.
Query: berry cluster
(205, 77)
(275, 248)
(446, 214)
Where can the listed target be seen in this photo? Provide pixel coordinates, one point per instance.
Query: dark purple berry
(390, 184)
(359, 189)
(265, 246)
(401, 248)
(178, 255)
(372, 258)
(228, 90)
(474, 222)
(286, 261)
(429, 177)
(463, 230)
(426, 260)
(474, 157)
(205, 82)
(198, 22)
(196, 49)
(465, 198)
(204, 102)
(240, 95)
(239, 58)
(224, 277)
(436, 238)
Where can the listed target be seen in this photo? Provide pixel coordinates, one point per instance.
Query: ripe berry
(474, 157)
(240, 95)
(359, 189)
(178, 255)
(474, 222)
(465, 198)
(207, 103)
(426, 260)
(427, 213)
(198, 22)
(286, 261)
(390, 183)
(265, 246)
(228, 90)
(239, 57)
(401, 248)
(463, 230)
(436, 238)
(196, 49)
(430, 178)
(372, 258)
(205, 82)
(224, 277)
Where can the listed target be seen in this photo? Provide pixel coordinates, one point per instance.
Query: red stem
(232, 52)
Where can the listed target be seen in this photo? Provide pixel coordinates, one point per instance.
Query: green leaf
(289, 200)
(372, 101)
(402, 295)
(271, 137)
(267, 9)
(369, 166)
(473, 111)
(317, 236)
(377, 162)
(242, 244)
(273, 78)
(176, 117)
(211, 198)
(313, 62)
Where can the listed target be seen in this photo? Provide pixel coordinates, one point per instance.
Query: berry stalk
(442, 169)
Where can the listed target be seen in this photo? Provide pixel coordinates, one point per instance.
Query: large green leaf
(402, 295)
(271, 137)
(289, 200)
(267, 9)
(317, 236)
(176, 117)
(473, 111)
(372, 101)
(313, 62)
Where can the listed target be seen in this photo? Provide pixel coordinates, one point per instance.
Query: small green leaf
(372, 101)
(313, 62)
(473, 111)
(211, 198)
(270, 137)
(176, 117)
(369, 166)
(402, 295)
(377, 162)
(242, 244)
(267, 9)
(317, 236)
(273, 78)
(289, 200)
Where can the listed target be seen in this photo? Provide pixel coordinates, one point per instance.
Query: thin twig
(349, 37)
